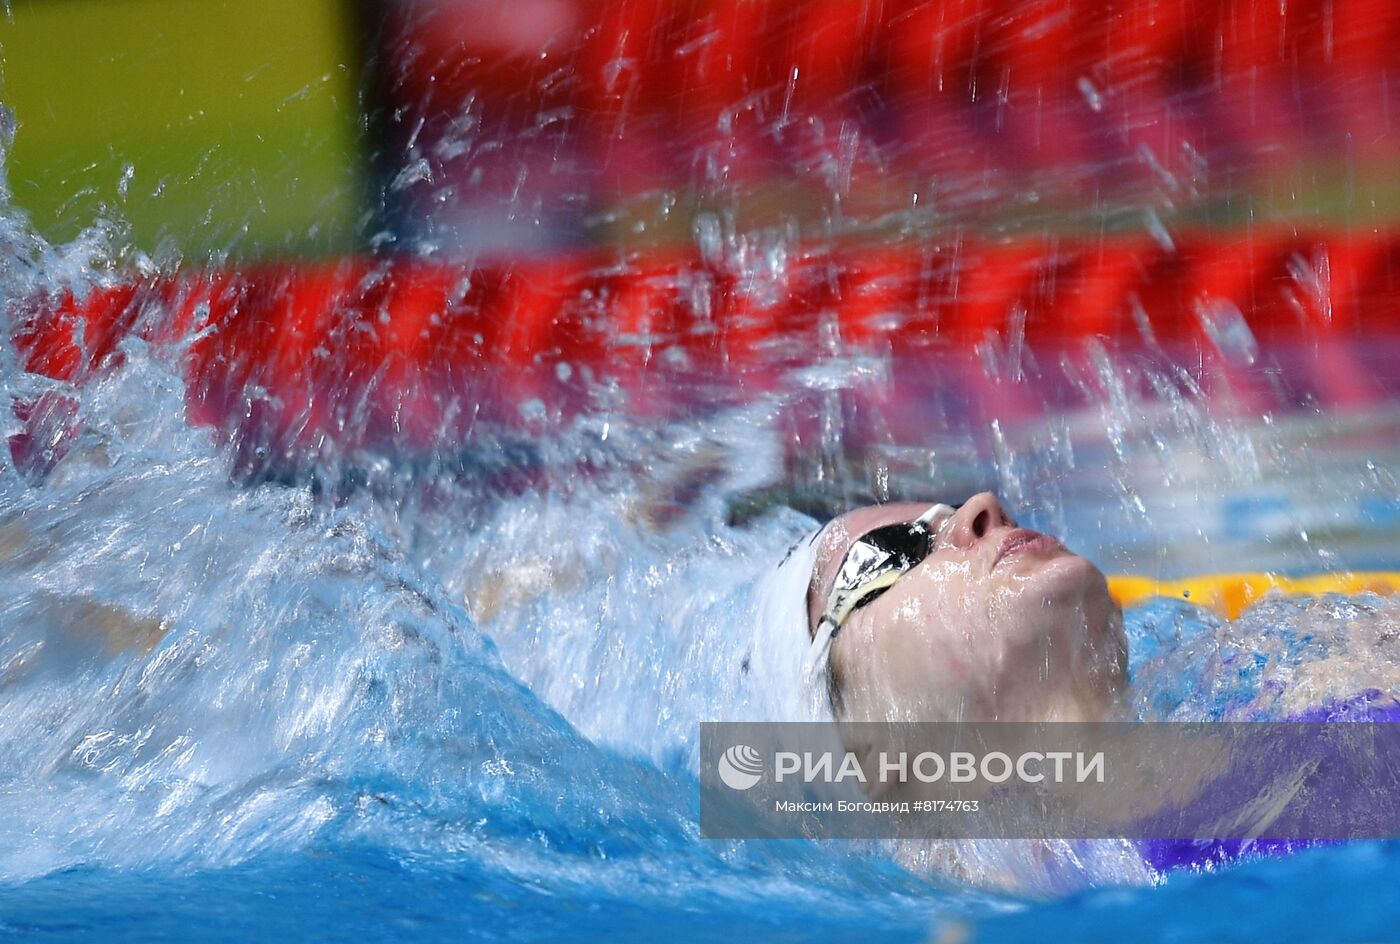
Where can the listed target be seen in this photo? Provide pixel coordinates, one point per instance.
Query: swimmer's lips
(1025, 541)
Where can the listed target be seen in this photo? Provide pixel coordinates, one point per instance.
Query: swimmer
(917, 612)
(930, 613)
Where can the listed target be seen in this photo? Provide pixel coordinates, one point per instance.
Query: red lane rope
(989, 83)
(366, 349)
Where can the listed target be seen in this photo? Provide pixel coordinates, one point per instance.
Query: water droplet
(1091, 94)
(1225, 324)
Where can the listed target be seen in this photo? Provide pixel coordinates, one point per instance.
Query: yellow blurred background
(208, 125)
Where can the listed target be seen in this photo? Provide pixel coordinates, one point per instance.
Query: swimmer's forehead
(834, 540)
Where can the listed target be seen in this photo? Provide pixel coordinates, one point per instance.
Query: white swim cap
(787, 676)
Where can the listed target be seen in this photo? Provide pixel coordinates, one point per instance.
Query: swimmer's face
(997, 624)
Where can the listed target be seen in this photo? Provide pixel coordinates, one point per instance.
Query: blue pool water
(348, 892)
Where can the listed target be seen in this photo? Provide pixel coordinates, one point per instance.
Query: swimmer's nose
(979, 516)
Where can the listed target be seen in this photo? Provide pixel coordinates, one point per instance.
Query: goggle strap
(818, 655)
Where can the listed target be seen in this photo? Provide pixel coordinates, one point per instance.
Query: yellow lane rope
(1230, 594)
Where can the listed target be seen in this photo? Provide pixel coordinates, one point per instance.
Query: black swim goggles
(877, 559)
